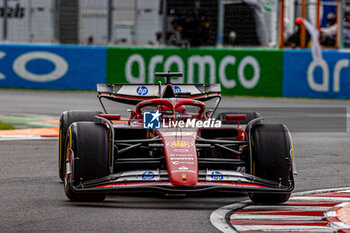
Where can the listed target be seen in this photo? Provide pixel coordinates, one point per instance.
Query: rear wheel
(272, 160)
(66, 119)
(87, 153)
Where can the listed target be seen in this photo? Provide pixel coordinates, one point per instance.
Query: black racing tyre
(66, 119)
(272, 160)
(249, 116)
(88, 154)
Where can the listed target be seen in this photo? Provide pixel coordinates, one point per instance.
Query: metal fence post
(341, 8)
(221, 15)
(135, 29)
(110, 20)
(281, 26)
(30, 28)
(4, 31)
(164, 7)
(55, 20)
(303, 29)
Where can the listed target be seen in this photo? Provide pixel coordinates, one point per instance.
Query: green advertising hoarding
(240, 72)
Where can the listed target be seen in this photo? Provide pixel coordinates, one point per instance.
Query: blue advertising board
(302, 77)
(52, 66)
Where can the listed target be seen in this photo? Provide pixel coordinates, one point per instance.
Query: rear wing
(135, 93)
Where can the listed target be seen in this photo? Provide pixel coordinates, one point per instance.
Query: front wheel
(66, 119)
(87, 158)
(272, 159)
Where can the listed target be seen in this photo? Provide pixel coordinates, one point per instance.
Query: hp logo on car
(217, 175)
(149, 175)
(142, 90)
(177, 89)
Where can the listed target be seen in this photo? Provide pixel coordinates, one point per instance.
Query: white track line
(218, 217)
(282, 228)
(25, 137)
(276, 217)
(330, 214)
(320, 191)
(330, 199)
(289, 207)
(342, 204)
(340, 225)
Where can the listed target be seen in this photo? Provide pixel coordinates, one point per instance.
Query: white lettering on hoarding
(61, 66)
(324, 85)
(158, 59)
(201, 61)
(204, 63)
(2, 76)
(336, 76)
(228, 60)
(135, 59)
(249, 84)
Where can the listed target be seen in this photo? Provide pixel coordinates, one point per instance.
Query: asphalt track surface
(32, 197)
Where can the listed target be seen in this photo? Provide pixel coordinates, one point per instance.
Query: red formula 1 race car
(171, 143)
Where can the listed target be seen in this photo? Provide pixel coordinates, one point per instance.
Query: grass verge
(4, 126)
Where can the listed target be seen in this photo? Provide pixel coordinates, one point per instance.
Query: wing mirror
(115, 117)
(235, 117)
(132, 115)
(209, 113)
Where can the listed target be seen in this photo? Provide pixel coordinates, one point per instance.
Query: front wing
(208, 181)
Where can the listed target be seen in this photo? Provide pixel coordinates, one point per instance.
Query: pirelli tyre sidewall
(87, 158)
(66, 119)
(272, 159)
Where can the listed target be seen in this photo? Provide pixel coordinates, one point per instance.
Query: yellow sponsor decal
(70, 136)
(59, 164)
(183, 176)
(292, 148)
(180, 144)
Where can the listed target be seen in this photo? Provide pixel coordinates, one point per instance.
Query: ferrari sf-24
(171, 142)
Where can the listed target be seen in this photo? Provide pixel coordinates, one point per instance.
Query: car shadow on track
(208, 201)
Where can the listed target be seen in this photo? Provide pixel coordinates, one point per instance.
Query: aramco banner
(240, 72)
